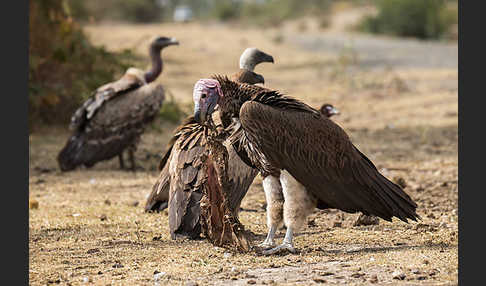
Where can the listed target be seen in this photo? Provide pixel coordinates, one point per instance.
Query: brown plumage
(308, 155)
(179, 186)
(115, 116)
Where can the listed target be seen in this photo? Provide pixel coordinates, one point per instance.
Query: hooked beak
(173, 41)
(334, 111)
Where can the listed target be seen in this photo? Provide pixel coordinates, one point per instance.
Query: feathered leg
(120, 160)
(132, 159)
(297, 206)
(275, 202)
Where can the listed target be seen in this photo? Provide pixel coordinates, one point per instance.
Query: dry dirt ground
(89, 226)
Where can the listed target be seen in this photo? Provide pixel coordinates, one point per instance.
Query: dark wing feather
(186, 179)
(104, 93)
(319, 154)
(113, 127)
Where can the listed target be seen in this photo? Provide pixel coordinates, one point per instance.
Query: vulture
(179, 185)
(113, 118)
(306, 160)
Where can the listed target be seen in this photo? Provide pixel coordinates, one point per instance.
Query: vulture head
(159, 43)
(329, 110)
(252, 57)
(206, 95)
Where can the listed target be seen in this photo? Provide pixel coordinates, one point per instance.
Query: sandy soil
(90, 228)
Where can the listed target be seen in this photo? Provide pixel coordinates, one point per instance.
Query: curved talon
(283, 246)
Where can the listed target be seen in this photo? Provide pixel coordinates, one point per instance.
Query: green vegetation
(136, 11)
(425, 19)
(64, 68)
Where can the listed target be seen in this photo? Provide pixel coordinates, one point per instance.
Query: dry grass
(90, 225)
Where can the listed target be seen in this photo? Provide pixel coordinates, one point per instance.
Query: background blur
(66, 64)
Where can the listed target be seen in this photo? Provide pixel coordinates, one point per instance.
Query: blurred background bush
(424, 19)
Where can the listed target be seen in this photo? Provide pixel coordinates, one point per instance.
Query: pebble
(398, 275)
(33, 204)
(159, 276)
(251, 281)
(103, 217)
(107, 202)
(227, 255)
(366, 220)
(117, 265)
(415, 271)
(319, 280)
(374, 278)
(337, 224)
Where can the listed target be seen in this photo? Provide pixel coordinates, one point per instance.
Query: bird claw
(284, 246)
(266, 244)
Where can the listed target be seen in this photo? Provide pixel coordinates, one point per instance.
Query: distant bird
(329, 110)
(114, 117)
(305, 159)
(181, 170)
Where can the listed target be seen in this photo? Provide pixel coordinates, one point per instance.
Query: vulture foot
(282, 247)
(267, 244)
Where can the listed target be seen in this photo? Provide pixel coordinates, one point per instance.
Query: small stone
(327, 273)
(366, 220)
(319, 280)
(33, 204)
(311, 223)
(337, 224)
(270, 282)
(415, 271)
(251, 281)
(103, 217)
(398, 275)
(93, 250)
(426, 262)
(87, 279)
(76, 215)
(134, 203)
(431, 215)
(357, 275)
(99, 272)
(158, 276)
(422, 277)
(374, 278)
(227, 255)
(117, 265)
(108, 202)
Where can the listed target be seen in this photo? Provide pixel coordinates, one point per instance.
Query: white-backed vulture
(306, 159)
(179, 185)
(114, 117)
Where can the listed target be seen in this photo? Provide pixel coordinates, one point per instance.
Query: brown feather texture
(115, 115)
(282, 133)
(185, 151)
(112, 128)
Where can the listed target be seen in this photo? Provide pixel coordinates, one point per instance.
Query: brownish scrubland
(88, 226)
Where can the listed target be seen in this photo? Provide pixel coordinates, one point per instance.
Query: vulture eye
(203, 95)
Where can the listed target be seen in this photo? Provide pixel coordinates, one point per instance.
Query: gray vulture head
(252, 57)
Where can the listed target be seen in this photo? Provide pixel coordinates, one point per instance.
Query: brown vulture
(179, 185)
(115, 115)
(306, 159)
